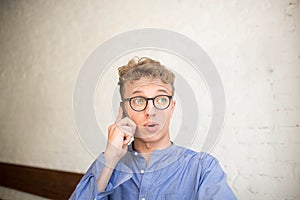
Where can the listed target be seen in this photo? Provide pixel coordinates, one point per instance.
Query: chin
(149, 137)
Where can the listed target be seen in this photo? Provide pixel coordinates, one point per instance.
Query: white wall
(254, 45)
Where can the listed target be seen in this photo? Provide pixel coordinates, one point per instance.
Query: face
(152, 123)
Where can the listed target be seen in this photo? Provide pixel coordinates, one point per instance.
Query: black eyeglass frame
(147, 99)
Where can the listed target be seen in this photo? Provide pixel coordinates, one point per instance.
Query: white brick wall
(254, 45)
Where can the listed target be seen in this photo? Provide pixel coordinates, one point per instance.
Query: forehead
(147, 86)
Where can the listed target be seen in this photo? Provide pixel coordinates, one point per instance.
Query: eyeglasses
(139, 103)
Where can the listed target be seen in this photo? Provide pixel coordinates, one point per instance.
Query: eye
(138, 101)
(162, 100)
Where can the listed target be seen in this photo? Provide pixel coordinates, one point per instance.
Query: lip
(151, 126)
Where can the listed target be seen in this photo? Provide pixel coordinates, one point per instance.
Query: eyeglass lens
(140, 103)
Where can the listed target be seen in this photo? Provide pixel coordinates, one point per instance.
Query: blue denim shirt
(172, 173)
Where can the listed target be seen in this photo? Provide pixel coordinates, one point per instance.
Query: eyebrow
(160, 90)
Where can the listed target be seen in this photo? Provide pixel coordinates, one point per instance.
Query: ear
(173, 104)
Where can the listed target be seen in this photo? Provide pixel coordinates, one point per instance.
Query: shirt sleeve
(213, 184)
(87, 187)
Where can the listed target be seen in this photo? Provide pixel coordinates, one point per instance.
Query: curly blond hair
(144, 67)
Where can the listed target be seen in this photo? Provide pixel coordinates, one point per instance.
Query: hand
(119, 135)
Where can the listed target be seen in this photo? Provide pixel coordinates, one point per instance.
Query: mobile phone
(124, 111)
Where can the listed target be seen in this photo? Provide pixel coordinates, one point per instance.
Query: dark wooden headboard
(52, 184)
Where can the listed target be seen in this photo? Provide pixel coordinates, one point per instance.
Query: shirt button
(143, 171)
(135, 153)
(143, 199)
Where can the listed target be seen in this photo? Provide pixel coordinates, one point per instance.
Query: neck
(148, 147)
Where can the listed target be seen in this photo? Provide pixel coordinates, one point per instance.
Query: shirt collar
(164, 151)
(159, 158)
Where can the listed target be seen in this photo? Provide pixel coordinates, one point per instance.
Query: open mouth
(151, 126)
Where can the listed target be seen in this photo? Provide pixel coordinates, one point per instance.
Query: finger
(127, 139)
(126, 121)
(120, 114)
(127, 130)
(127, 126)
(111, 126)
(111, 130)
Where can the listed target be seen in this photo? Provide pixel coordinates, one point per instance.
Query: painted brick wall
(255, 46)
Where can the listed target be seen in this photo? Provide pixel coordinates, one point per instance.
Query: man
(151, 167)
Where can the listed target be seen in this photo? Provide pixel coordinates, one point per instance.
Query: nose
(150, 109)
